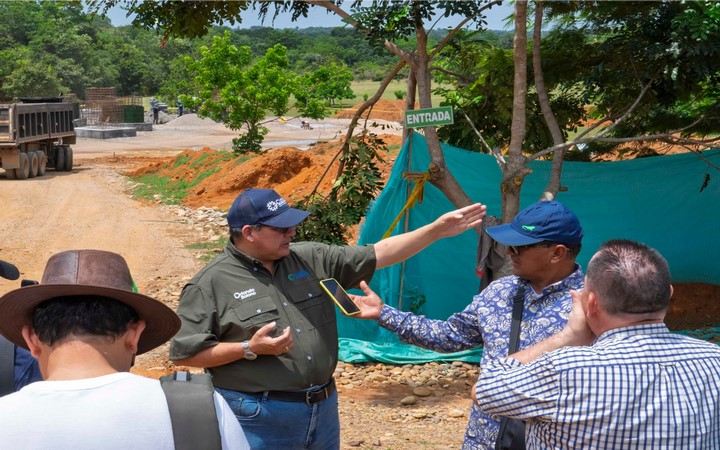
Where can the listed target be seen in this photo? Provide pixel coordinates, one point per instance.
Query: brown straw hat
(87, 272)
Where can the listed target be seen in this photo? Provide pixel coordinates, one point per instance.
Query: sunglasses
(281, 230)
(516, 249)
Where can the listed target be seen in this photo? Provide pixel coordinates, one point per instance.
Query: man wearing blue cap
(258, 320)
(542, 243)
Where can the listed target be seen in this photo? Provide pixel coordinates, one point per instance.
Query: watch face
(248, 353)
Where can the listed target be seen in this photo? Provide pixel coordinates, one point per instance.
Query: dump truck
(36, 134)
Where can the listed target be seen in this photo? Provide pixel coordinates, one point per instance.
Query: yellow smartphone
(340, 297)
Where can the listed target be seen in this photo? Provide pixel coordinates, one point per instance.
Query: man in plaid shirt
(614, 377)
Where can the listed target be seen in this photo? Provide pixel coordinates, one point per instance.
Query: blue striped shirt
(638, 387)
(486, 322)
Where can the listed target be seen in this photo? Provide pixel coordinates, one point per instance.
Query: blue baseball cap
(263, 206)
(542, 221)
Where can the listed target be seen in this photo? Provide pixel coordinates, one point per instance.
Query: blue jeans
(278, 425)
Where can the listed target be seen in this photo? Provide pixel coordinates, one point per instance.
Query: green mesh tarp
(655, 200)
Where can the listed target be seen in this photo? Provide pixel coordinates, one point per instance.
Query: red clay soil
(383, 109)
(291, 172)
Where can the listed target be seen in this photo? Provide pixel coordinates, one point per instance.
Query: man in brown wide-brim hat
(85, 324)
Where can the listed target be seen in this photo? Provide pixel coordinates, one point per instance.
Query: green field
(370, 87)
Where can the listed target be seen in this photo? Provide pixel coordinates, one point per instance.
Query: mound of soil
(291, 172)
(383, 109)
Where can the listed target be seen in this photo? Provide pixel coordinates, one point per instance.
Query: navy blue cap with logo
(265, 207)
(546, 221)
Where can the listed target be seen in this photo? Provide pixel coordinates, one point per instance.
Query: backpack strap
(517, 312)
(7, 367)
(192, 410)
(512, 431)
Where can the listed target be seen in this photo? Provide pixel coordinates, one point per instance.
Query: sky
(319, 18)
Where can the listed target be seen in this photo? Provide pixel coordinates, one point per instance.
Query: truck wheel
(23, 171)
(33, 159)
(68, 159)
(59, 158)
(42, 163)
(10, 173)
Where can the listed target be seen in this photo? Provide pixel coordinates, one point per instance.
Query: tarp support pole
(406, 224)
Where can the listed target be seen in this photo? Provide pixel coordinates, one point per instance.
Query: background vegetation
(56, 47)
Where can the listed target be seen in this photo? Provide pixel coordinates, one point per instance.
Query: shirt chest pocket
(256, 311)
(311, 302)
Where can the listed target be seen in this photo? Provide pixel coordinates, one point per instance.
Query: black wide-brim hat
(87, 272)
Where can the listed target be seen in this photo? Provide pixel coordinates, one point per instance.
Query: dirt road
(87, 208)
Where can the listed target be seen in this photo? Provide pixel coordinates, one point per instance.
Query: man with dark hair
(614, 377)
(85, 324)
(542, 242)
(17, 366)
(257, 318)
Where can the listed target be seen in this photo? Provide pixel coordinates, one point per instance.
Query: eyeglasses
(516, 249)
(283, 230)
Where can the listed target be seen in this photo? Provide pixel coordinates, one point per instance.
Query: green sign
(417, 118)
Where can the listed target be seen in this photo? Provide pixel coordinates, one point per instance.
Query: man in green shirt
(258, 320)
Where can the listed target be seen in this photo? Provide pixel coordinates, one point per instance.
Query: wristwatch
(248, 353)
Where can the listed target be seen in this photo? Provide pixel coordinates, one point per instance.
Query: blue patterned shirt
(486, 322)
(638, 387)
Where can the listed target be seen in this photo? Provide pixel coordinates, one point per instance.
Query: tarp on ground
(656, 200)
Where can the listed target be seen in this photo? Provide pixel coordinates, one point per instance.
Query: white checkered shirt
(638, 387)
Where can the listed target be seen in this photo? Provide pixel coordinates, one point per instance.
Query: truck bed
(31, 122)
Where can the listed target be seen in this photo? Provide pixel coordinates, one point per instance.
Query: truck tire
(23, 171)
(59, 158)
(68, 158)
(10, 173)
(42, 163)
(33, 159)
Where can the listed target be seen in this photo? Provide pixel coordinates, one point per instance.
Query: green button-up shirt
(234, 296)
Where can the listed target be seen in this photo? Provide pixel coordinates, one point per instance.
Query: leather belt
(313, 395)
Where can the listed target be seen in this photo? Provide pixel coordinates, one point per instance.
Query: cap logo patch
(528, 227)
(274, 205)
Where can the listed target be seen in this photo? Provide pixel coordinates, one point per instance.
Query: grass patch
(360, 88)
(369, 88)
(219, 156)
(209, 249)
(173, 185)
(168, 191)
(180, 161)
(394, 148)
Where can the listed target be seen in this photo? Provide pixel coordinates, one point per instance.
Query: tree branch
(457, 28)
(650, 137)
(498, 156)
(459, 76)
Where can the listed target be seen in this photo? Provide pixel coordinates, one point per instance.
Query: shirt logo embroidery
(299, 275)
(245, 294)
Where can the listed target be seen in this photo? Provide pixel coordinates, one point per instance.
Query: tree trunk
(515, 169)
(440, 177)
(409, 102)
(553, 186)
